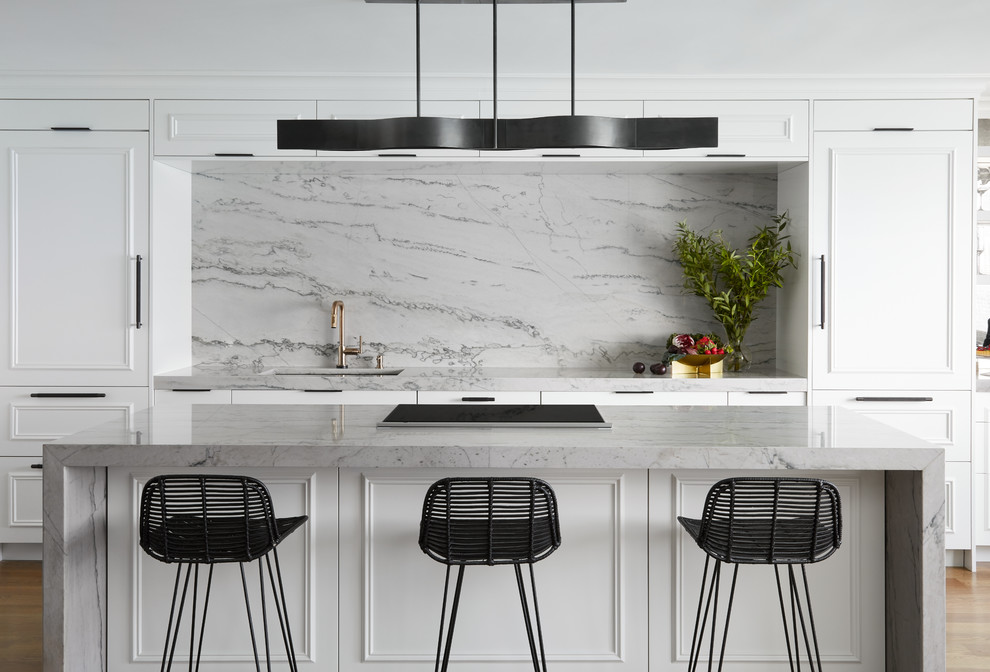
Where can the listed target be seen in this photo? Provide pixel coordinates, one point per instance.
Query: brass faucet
(338, 323)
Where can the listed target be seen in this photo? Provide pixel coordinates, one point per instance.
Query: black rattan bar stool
(765, 521)
(194, 520)
(489, 521)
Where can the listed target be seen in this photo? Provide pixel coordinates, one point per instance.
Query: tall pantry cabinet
(74, 184)
(892, 214)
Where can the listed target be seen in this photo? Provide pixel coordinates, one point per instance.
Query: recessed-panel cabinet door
(75, 234)
(891, 243)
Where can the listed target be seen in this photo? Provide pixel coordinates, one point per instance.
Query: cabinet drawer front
(476, 397)
(637, 398)
(191, 397)
(322, 397)
(97, 115)
(760, 398)
(238, 127)
(747, 128)
(20, 500)
(29, 421)
(919, 115)
(943, 418)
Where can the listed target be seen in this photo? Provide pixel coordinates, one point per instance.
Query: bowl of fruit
(696, 354)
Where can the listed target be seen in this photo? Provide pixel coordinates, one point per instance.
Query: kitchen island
(641, 440)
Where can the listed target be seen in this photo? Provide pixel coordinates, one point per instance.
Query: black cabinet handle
(68, 395)
(893, 128)
(725, 156)
(232, 154)
(36, 466)
(822, 308)
(137, 284)
(387, 155)
(560, 156)
(894, 399)
(632, 392)
(71, 128)
(477, 398)
(192, 389)
(322, 390)
(766, 392)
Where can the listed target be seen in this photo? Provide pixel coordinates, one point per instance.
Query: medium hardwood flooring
(967, 618)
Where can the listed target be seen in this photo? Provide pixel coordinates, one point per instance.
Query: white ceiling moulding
(213, 84)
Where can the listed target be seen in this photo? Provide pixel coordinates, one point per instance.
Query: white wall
(658, 37)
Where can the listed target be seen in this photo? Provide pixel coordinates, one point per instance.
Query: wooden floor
(967, 609)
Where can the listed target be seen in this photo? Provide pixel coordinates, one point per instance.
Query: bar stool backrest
(489, 521)
(771, 520)
(206, 518)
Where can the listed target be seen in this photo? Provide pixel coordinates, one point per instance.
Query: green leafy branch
(734, 283)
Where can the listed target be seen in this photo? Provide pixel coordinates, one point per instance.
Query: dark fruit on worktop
(639, 367)
(658, 369)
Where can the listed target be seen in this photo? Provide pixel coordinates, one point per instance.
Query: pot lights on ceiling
(571, 131)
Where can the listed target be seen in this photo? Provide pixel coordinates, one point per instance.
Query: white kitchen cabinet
(74, 247)
(20, 500)
(592, 590)
(637, 398)
(32, 416)
(746, 128)
(384, 109)
(768, 398)
(191, 397)
(847, 589)
(891, 259)
(139, 590)
(226, 127)
(477, 397)
(390, 397)
(941, 417)
(918, 115)
(95, 115)
(958, 506)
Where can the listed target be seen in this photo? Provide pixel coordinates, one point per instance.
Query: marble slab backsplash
(460, 270)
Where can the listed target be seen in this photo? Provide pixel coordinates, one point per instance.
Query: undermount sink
(328, 371)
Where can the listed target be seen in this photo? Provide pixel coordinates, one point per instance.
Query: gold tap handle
(356, 351)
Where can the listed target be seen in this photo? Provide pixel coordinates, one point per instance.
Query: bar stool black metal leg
(811, 617)
(172, 636)
(526, 617)
(281, 607)
(247, 605)
(728, 613)
(453, 616)
(264, 616)
(536, 610)
(202, 626)
(783, 616)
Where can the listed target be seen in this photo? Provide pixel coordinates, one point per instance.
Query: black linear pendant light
(555, 132)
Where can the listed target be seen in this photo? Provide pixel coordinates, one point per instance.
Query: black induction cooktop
(495, 415)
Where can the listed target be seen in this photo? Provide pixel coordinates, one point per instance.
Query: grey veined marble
(458, 270)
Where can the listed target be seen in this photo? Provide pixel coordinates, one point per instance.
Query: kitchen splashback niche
(460, 270)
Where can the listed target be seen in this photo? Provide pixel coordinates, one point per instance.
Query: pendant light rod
(418, 68)
(572, 57)
(494, 74)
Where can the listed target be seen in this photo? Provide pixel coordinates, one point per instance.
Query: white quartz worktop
(486, 379)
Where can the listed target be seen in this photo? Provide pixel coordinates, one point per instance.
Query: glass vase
(741, 358)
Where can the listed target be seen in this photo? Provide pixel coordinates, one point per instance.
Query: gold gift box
(697, 366)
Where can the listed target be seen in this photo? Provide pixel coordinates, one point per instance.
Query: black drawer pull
(477, 398)
(385, 156)
(36, 466)
(222, 154)
(894, 399)
(71, 128)
(725, 156)
(322, 390)
(137, 290)
(192, 389)
(68, 395)
(633, 392)
(766, 392)
(893, 128)
(560, 156)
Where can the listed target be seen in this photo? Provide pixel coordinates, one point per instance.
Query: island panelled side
(619, 594)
